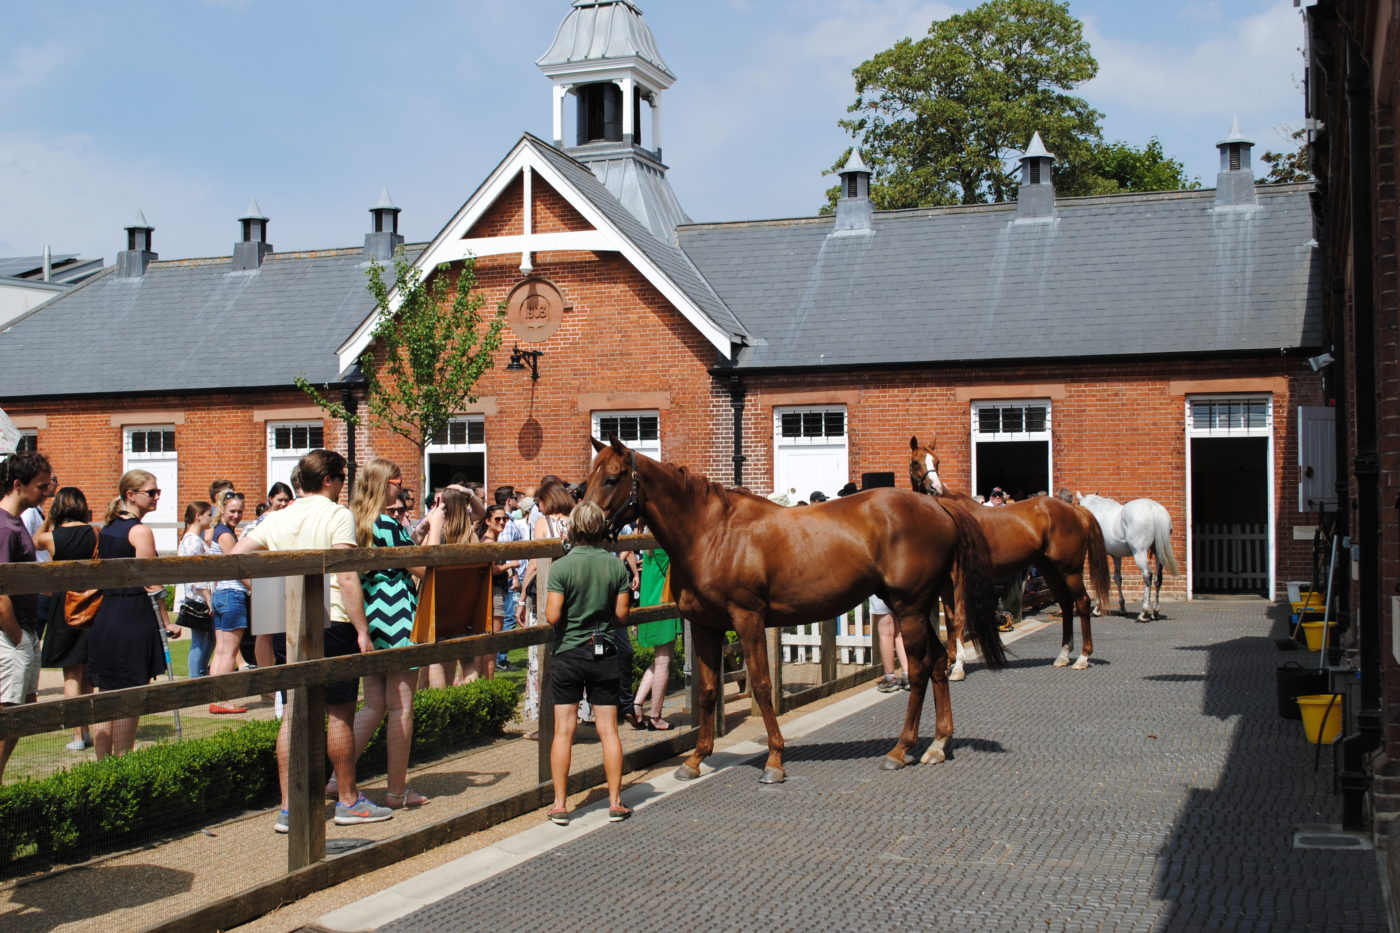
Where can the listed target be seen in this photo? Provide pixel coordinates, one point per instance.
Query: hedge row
(101, 806)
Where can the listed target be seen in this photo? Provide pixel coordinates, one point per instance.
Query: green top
(655, 566)
(590, 579)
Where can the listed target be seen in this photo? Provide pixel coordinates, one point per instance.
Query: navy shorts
(577, 672)
(340, 641)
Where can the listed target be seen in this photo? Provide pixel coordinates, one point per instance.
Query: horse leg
(955, 653)
(939, 749)
(1118, 579)
(709, 649)
(919, 637)
(1157, 593)
(1065, 600)
(749, 626)
(1079, 599)
(1146, 570)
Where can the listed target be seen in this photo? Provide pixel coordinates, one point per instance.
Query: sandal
(634, 718)
(559, 816)
(409, 798)
(618, 814)
(657, 725)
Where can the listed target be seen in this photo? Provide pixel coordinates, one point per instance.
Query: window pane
(792, 424)
(476, 432)
(281, 438)
(138, 442)
(650, 428)
(836, 424)
(1035, 419)
(440, 437)
(811, 424)
(607, 427)
(28, 442)
(317, 438)
(1012, 420)
(167, 439)
(457, 433)
(988, 420)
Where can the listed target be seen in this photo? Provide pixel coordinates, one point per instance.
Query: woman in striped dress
(391, 597)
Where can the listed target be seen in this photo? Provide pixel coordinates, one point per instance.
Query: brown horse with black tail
(741, 562)
(1050, 534)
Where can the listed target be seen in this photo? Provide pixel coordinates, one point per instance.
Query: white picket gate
(855, 640)
(1230, 558)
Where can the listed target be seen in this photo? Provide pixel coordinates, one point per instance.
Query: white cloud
(1248, 64)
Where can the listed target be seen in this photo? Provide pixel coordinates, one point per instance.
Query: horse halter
(919, 479)
(633, 500)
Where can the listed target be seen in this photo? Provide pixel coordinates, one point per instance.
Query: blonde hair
(371, 491)
(458, 527)
(131, 481)
(587, 524)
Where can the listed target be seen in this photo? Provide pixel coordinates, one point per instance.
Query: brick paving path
(1158, 790)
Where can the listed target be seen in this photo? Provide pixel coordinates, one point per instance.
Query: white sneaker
(77, 745)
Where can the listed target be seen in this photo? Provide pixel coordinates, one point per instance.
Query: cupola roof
(602, 31)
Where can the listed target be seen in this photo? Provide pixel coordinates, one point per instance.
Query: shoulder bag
(80, 606)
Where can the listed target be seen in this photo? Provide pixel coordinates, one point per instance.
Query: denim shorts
(230, 610)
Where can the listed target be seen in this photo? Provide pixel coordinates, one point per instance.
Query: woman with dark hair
(68, 534)
(199, 515)
(590, 592)
(124, 648)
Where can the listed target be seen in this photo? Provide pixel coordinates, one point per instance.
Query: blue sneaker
(281, 826)
(361, 811)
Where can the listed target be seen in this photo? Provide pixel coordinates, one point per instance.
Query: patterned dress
(390, 595)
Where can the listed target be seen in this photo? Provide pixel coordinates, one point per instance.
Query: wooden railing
(307, 672)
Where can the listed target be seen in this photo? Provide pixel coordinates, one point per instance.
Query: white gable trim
(452, 245)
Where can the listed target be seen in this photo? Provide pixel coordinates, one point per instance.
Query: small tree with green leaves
(1291, 166)
(425, 356)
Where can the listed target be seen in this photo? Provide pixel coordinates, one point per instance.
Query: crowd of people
(589, 591)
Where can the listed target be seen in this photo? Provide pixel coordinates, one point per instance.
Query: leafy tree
(426, 356)
(1285, 167)
(941, 118)
(1112, 168)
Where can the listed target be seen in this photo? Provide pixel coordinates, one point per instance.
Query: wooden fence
(854, 644)
(1230, 558)
(306, 674)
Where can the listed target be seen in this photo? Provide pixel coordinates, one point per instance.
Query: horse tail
(1162, 539)
(1098, 560)
(972, 562)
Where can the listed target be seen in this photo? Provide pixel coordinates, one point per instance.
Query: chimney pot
(384, 239)
(1234, 185)
(1035, 199)
(248, 254)
(854, 210)
(132, 261)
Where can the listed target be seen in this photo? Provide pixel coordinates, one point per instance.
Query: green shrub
(100, 806)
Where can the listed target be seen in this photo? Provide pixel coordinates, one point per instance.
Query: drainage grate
(1329, 837)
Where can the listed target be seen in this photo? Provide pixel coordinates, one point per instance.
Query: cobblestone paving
(1156, 791)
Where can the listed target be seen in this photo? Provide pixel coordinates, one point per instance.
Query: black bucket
(1295, 681)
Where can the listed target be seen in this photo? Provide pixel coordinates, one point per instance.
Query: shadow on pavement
(34, 908)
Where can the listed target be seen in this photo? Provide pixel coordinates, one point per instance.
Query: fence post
(828, 649)
(306, 725)
(546, 654)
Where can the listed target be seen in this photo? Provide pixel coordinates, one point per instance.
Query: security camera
(1320, 362)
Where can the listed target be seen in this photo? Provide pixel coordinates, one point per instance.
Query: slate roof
(670, 259)
(163, 332)
(1162, 273)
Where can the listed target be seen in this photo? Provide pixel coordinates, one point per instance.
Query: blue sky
(189, 109)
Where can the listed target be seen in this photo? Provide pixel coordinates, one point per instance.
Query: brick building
(1354, 106)
(1136, 345)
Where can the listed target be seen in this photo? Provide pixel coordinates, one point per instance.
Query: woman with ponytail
(199, 516)
(124, 647)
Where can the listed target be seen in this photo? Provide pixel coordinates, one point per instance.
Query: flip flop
(559, 816)
(618, 814)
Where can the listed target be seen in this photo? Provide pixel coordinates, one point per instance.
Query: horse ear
(597, 444)
(914, 442)
(617, 445)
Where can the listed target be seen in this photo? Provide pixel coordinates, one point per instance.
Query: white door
(152, 448)
(1317, 458)
(810, 452)
(287, 443)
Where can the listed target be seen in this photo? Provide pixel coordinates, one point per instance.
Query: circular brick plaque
(535, 309)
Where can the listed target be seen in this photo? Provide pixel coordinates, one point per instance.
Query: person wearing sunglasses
(490, 530)
(124, 647)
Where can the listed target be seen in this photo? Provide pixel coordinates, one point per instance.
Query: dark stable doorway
(1022, 468)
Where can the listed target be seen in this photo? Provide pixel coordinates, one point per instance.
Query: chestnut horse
(1050, 534)
(741, 562)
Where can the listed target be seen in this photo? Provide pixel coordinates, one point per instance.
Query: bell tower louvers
(605, 56)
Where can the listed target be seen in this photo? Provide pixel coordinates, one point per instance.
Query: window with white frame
(287, 443)
(1011, 421)
(1232, 416)
(461, 432)
(811, 425)
(28, 442)
(457, 453)
(640, 430)
(150, 442)
(152, 448)
(1011, 447)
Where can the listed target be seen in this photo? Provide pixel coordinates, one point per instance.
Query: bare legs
(340, 748)
(891, 644)
(389, 698)
(654, 682)
(225, 659)
(75, 685)
(561, 751)
(114, 738)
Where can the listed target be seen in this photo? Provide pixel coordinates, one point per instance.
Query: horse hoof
(1144, 618)
(958, 675)
(772, 776)
(1081, 665)
(686, 773)
(1061, 662)
(933, 756)
(890, 764)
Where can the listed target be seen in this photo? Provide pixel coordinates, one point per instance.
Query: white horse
(1140, 528)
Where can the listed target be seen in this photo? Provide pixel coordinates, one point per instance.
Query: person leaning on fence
(318, 522)
(68, 534)
(25, 479)
(590, 591)
(390, 601)
(124, 646)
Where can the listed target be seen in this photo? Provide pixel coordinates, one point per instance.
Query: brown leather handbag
(80, 606)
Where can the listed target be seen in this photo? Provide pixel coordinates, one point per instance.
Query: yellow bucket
(1322, 717)
(1311, 602)
(1313, 633)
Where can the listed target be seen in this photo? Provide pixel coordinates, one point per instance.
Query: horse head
(923, 468)
(613, 483)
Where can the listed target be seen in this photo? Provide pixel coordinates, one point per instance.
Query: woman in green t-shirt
(590, 591)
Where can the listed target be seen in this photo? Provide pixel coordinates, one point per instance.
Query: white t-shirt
(310, 523)
(32, 519)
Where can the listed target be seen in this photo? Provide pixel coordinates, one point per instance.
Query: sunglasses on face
(396, 510)
(152, 493)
